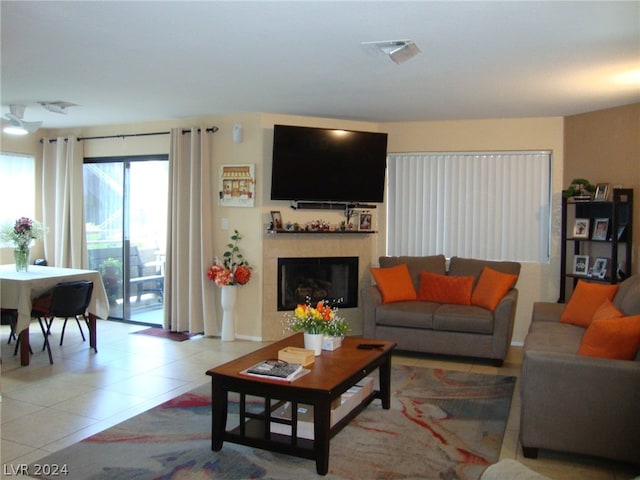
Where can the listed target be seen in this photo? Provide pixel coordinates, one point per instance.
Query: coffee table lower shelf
(256, 435)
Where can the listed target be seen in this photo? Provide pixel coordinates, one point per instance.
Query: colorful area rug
(441, 425)
(161, 332)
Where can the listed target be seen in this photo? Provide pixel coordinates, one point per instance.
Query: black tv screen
(328, 165)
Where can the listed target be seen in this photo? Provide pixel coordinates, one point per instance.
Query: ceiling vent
(398, 50)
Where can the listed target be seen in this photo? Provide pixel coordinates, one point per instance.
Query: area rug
(442, 425)
(161, 332)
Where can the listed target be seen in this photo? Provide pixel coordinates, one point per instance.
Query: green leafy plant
(579, 186)
(233, 269)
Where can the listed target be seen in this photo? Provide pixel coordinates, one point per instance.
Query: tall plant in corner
(233, 269)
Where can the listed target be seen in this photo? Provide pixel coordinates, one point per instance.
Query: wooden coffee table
(331, 375)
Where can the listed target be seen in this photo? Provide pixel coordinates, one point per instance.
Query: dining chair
(65, 300)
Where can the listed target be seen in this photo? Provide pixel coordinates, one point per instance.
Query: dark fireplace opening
(319, 278)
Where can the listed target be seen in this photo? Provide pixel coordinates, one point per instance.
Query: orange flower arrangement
(234, 269)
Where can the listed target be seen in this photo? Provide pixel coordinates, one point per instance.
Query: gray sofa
(576, 403)
(418, 326)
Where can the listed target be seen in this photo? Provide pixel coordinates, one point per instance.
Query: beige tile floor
(47, 407)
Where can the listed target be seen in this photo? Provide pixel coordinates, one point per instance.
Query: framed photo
(600, 229)
(276, 219)
(581, 265)
(621, 230)
(237, 185)
(601, 193)
(599, 269)
(364, 222)
(581, 228)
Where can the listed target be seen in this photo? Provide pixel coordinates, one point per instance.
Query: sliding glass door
(126, 223)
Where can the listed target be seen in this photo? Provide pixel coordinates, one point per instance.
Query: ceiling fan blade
(31, 126)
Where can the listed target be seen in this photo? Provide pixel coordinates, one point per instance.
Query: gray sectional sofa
(575, 403)
(418, 326)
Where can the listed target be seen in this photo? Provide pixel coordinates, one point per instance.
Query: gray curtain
(189, 294)
(65, 244)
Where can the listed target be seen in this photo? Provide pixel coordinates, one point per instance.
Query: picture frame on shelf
(581, 265)
(600, 229)
(276, 219)
(365, 222)
(581, 228)
(599, 269)
(602, 192)
(621, 229)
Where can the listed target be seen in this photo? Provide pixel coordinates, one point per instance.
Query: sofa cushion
(617, 338)
(628, 297)
(551, 337)
(465, 267)
(416, 265)
(459, 318)
(394, 283)
(584, 302)
(406, 314)
(445, 288)
(491, 287)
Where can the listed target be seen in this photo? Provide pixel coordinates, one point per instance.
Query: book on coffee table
(276, 370)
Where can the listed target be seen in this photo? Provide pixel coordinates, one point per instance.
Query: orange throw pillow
(606, 311)
(445, 288)
(617, 338)
(394, 283)
(492, 287)
(584, 302)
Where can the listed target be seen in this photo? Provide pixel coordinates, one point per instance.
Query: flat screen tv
(328, 165)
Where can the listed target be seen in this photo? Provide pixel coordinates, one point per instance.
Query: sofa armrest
(580, 404)
(503, 321)
(547, 312)
(371, 298)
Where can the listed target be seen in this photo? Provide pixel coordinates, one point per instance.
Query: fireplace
(319, 278)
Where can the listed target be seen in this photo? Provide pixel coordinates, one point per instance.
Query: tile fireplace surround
(317, 245)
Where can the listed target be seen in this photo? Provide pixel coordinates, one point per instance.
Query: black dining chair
(65, 300)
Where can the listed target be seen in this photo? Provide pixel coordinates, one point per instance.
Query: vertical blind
(493, 206)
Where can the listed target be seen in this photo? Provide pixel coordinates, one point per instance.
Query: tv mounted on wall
(328, 165)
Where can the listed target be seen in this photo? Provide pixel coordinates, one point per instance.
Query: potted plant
(111, 271)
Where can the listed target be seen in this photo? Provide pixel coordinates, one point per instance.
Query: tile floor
(47, 407)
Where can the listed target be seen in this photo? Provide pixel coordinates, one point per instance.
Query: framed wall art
(237, 185)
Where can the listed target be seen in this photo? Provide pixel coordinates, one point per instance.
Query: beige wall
(604, 147)
(538, 281)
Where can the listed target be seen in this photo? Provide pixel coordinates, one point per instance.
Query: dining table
(19, 289)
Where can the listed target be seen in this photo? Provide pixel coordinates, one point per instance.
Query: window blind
(493, 206)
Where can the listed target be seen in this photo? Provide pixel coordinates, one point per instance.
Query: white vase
(313, 341)
(228, 302)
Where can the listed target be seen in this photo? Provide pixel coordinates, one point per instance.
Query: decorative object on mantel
(21, 234)
(579, 190)
(227, 274)
(316, 323)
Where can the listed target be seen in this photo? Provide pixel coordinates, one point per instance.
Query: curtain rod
(123, 136)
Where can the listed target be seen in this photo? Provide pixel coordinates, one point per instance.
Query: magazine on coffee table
(276, 370)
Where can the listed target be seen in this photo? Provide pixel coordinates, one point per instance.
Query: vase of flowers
(21, 234)
(316, 322)
(228, 274)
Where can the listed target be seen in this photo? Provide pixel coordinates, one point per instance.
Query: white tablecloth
(18, 289)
